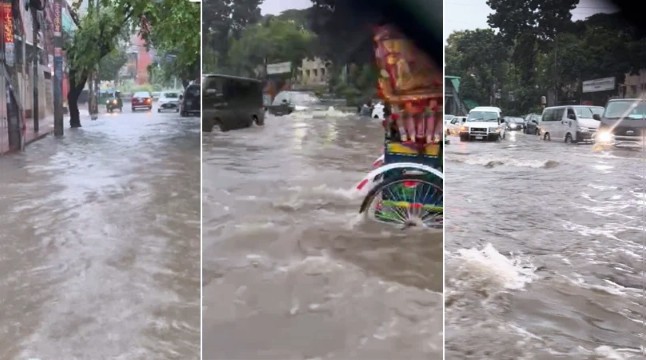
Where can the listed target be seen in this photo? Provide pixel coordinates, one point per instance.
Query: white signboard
(279, 68)
(604, 84)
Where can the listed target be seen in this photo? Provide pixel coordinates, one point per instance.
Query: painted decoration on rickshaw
(406, 74)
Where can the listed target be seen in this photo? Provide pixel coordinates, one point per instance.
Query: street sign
(279, 68)
(604, 84)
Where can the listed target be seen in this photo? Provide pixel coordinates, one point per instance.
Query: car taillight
(147, 100)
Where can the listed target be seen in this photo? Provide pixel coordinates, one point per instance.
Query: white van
(571, 124)
(483, 123)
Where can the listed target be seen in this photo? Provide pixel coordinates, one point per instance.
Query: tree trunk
(76, 88)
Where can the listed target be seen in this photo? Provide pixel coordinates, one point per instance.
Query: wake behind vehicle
(483, 123)
(623, 124)
(571, 124)
(287, 102)
(141, 100)
(168, 100)
(405, 189)
(232, 102)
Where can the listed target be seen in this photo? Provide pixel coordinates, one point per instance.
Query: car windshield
(588, 112)
(487, 116)
(170, 95)
(448, 117)
(142, 94)
(626, 109)
(515, 120)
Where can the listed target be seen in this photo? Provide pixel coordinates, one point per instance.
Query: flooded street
(100, 242)
(291, 270)
(545, 251)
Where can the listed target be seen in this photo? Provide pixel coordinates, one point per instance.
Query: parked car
(571, 124)
(231, 102)
(168, 100)
(532, 124)
(141, 100)
(190, 101)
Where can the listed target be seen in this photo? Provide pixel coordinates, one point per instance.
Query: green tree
(528, 26)
(224, 21)
(111, 64)
(100, 31)
(173, 31)
(480, 58)
(344, 36)
(273, 41)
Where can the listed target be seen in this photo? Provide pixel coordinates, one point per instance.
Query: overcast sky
(275, 7)
(472, 14)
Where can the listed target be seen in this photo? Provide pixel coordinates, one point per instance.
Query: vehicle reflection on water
(545, 251)
(290, 268)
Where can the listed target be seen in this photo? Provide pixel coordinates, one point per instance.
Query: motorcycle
(113, 104)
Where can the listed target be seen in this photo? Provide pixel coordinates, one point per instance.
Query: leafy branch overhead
(170, 25)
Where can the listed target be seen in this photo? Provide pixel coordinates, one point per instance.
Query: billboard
(604, 84)
(279, 68)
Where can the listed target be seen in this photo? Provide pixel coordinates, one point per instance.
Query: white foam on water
(490, 266)
(608, 353)
(504, 161)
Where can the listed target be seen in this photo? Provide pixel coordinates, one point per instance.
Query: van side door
(214, 101)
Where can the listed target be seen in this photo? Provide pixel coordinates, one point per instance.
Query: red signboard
(57, 18)
(7, 22)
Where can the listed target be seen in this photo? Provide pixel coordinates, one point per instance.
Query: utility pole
(58, 68)
(97, 82)
(36, 55)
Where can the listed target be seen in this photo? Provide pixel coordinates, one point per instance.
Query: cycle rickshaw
(406, 186)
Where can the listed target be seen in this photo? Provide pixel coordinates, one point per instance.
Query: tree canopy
(169, 25)
(224, 21)
(275, 40)
(532, 64)
(111, 64)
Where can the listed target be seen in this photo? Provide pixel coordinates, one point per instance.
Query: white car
(483, 123)
(168, 100)
(454, 126)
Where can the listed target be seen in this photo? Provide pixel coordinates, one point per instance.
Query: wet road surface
(291, 271)
(545, 251)
(100, 246)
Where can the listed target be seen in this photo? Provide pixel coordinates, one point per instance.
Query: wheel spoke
(408, 201)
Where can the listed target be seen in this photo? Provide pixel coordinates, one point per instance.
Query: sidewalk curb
(39, 136)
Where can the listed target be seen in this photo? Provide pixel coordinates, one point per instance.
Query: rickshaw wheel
(406, 200)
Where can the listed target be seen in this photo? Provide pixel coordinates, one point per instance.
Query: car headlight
(513, 126)
(464, 129)
(492, 129)
(605, 136)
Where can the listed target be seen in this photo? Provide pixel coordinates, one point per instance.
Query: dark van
(190, 101)
(231, 102)
(623, 123)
